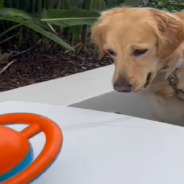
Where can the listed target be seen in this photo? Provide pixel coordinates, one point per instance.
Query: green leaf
(15, 13)
(49, 35)
(25, 16)
(65, 18)
(1, 4)
(38, 29)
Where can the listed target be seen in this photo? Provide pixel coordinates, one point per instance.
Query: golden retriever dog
(147, 46)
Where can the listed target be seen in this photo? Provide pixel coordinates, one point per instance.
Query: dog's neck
(162, 86)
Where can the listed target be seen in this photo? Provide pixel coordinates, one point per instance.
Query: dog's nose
(123, 86)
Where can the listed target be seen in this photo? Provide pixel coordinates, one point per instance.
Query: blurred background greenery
(66, 22)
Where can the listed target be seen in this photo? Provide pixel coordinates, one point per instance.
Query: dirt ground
(32, 64)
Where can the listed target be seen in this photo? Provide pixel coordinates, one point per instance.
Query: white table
(105, 148)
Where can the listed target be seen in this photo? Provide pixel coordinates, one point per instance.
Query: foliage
(130, 3)
(72, 18)
(40, 16)
(167, 5)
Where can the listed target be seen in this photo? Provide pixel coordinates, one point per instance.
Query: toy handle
(54, 140)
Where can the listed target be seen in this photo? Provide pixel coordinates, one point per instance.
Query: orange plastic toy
(16, 154)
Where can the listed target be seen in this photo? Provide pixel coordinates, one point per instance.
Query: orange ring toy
(16, 166)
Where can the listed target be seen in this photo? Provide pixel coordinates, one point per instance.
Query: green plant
(81, 32)
(167, 5)
(131, 3)
(42, 21)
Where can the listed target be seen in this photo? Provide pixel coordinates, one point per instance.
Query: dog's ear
(169, 30)
(97, 32)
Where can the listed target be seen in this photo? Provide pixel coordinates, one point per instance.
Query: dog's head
(139, 40)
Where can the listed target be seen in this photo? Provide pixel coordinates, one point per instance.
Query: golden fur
(124, 30)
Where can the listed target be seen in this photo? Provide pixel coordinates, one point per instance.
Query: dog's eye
(139, 52)
(111, 52)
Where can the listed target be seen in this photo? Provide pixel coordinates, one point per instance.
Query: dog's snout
(122, 85)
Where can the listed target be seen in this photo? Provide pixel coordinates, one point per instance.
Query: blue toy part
(21, 166)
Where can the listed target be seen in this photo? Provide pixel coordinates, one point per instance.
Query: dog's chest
(180, 63)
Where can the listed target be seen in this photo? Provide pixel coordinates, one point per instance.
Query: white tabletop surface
(105, 148)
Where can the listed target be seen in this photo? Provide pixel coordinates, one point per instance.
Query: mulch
(37, 66)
